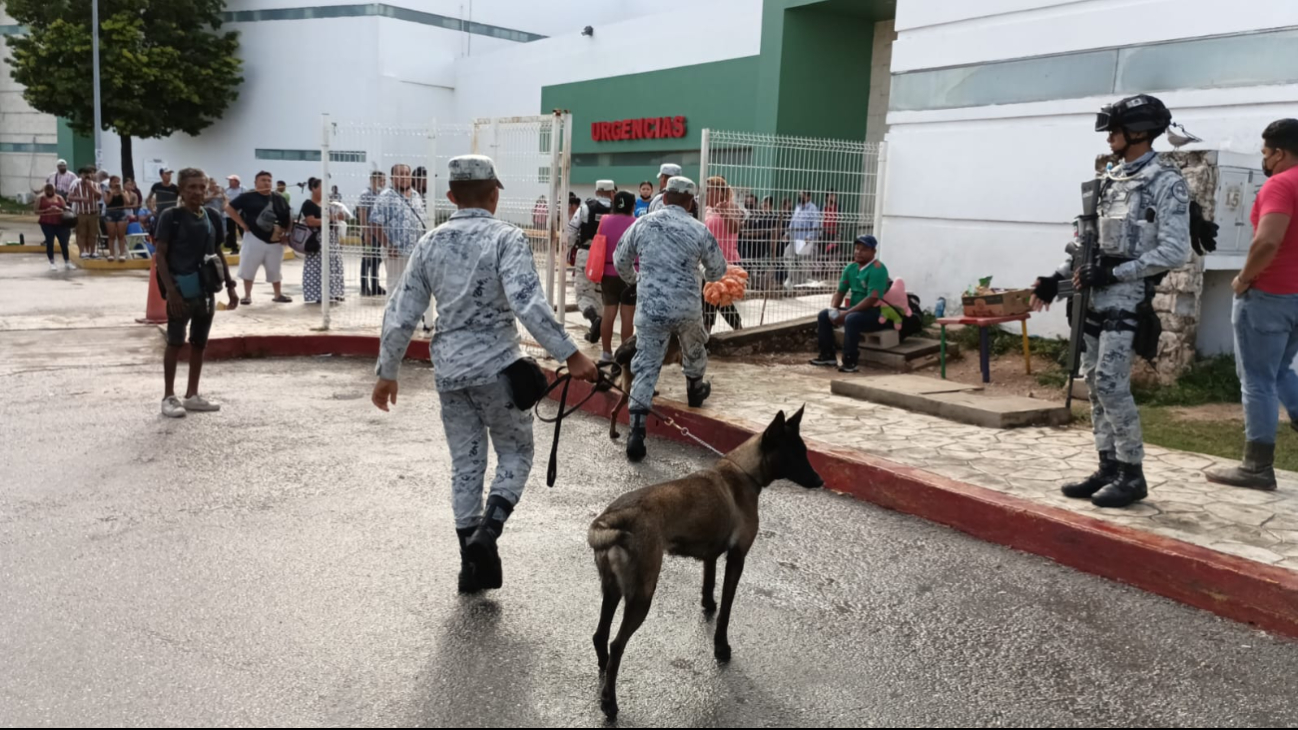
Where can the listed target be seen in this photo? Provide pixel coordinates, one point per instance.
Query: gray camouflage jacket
(670, 245)
(480, 272)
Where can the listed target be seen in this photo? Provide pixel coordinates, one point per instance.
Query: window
(311, 155)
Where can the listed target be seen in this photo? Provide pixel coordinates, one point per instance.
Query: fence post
(565, 163)
(326, 215)
(430, 209)
(705, 149)
(879, 187)
(553, 214)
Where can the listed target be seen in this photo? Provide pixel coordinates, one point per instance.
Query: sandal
(281, 299)
(246, 301)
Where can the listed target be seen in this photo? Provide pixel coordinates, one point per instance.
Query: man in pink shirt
(1266, 312)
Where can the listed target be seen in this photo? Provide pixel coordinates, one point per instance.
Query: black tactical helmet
(1142, 113)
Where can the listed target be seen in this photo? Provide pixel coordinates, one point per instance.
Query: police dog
(623, 357)
(703, 516)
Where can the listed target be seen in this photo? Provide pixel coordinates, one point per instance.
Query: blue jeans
(1266, 340)
(855, 324)
(53, 231)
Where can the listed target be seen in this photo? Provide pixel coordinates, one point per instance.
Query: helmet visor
(1104, 120)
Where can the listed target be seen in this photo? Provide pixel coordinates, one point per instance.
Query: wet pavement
(290, 560)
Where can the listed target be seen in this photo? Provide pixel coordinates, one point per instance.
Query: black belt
(1110, 320)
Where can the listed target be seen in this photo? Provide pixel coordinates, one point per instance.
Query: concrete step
(953, 401)
(913, 353)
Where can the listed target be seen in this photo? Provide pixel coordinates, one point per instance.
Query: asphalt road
(291, 561)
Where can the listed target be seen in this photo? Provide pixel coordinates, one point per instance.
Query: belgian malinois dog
(702, 516)
(623, 357)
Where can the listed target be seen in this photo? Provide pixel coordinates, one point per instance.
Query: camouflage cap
(605, 186)
(670, 170)
(680, 184)
(473, 167)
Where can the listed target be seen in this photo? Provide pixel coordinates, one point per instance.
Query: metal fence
(388, 184)
(805, 201)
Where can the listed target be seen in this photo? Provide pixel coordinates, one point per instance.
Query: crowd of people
(102, 209)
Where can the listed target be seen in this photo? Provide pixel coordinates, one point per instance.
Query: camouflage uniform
(670, 170)
(481, 275)
(588, 292)
(670, 245)
(1144, 218)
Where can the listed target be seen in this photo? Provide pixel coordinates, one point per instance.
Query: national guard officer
(669, 245)
(1144, 232)
(480, 272)
(581, 231)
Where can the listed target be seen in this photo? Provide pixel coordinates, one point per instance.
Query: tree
(164, 65)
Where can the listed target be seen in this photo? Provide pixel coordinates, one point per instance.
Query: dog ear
(774, 432)
(796, 422)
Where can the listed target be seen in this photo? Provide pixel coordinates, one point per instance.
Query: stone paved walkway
(1030, 463)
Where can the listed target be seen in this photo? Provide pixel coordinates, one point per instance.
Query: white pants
(396, 266)
(255, 253)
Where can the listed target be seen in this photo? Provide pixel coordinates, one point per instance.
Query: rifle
(1089, 234)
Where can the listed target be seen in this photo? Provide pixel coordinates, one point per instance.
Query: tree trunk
(128, 160)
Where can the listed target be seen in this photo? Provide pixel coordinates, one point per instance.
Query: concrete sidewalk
(1014, 475)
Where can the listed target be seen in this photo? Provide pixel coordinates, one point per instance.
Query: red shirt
(55, 207)
(1280, 195)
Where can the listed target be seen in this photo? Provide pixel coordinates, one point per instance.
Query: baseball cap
(624, 202)
(473, 167)
(61, 162)
(680, 184)
(165, 169)
(605, 186)
(868, 241)
(670, 170)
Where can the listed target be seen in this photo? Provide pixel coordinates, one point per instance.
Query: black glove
(1203, 232)
(1047, 288)
(1096, 275)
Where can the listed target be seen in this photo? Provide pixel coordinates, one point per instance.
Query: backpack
(914, 324)
(595, 212)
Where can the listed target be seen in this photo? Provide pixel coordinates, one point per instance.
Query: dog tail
(603, 537)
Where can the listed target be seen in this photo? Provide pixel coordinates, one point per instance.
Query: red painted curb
(1239, 589)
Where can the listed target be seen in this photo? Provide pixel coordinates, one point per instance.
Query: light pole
(94, 44)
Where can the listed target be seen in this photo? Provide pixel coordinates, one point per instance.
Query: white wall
(993, 190)
(21, 172)
(509, 82)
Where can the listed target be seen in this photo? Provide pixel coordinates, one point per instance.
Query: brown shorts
(616, 293)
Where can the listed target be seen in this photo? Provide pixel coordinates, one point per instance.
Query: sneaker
(848, 367)
(53, 267)
(199, 404)
(825, 362)
(67, 266)
(172, 408)
(246, 301)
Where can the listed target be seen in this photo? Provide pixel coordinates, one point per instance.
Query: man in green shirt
(866, 278)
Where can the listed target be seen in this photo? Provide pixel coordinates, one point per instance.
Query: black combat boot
(1257, 471)
(596, 322)
(697, 391)
(1126, 490)
(468, 580)
(482, 545)
(1087, 488)
(635, 447)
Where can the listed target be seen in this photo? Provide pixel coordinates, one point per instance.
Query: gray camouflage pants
(651, 348)
(470, 417)
(1106, 365)
(588, 296)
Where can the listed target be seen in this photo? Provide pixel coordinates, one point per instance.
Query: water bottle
(939, 311)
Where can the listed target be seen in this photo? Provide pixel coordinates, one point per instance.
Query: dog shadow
(479, 675)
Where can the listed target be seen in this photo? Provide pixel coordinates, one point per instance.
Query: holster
(1149, 328)
(526, 383)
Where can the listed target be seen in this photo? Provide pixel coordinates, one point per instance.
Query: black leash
(564, 379)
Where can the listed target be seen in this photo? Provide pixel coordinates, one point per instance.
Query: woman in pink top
(618, 297)
(725, 219)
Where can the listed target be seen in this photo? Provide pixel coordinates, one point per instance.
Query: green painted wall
(815, 68)
(77, 149)
(717, 95)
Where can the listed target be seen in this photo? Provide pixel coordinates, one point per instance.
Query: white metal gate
(532, 161)
(794, 258)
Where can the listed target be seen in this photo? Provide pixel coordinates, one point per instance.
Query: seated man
(867, 279)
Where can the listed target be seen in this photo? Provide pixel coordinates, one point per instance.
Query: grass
(1224, 438)
(9, 205)
(1210, 380)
